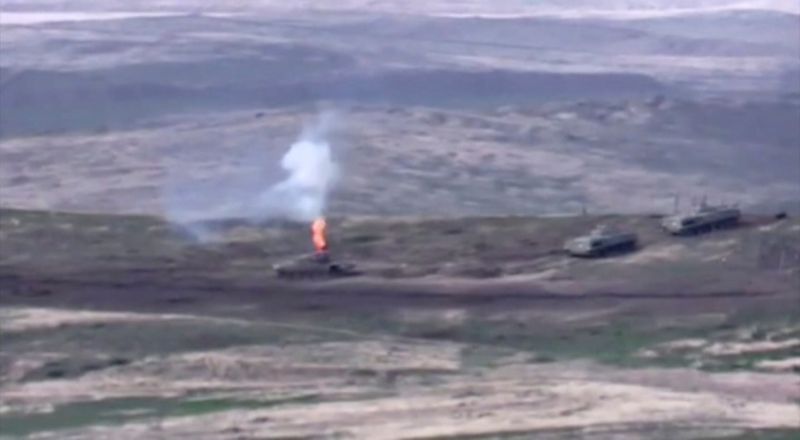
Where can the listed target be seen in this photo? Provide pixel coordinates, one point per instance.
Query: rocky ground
(126, 327)
(137, 296)
(437, 113)
(626, 157)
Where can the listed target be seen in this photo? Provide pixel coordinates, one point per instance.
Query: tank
(315, 266)
(704, 220)
(601, 243)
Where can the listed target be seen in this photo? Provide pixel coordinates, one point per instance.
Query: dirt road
(100, 342)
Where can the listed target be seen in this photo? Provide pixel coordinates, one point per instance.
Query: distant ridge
(621, 9)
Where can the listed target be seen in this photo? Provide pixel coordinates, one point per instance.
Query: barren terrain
(471, 138)
(634, 156)
(439, 115)
(126, 327)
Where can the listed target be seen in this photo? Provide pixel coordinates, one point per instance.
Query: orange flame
(318, 235)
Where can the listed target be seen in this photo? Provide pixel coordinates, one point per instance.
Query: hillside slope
(126, 327)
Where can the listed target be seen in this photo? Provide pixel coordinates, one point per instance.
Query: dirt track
(267, 364)
(136, 327)
(132, 335)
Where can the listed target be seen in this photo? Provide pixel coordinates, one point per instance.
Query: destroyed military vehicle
(601, 243)
(704, 220)
(315, 266)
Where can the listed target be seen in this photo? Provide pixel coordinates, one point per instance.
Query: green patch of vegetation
(643, 431)
(618, 340)
(133, 340)
(745, 361)
(763, 434)
(362, 238)
(204, 406)
(110, 412)
(614, 343)
(751, 326)
(481, 356)
(487, 341)
(74, 366)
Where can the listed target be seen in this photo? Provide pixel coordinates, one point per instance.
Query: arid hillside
(128, 327)
(153, 152)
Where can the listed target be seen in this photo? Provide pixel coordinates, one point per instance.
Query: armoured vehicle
(704, 220)
(600, 244)
(314, 266)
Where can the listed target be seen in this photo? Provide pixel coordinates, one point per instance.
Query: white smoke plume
(312, 171)
(309, 171)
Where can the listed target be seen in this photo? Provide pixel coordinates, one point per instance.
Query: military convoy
(599, 243)
(603, 243)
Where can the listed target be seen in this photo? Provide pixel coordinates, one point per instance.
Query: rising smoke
(309, 171)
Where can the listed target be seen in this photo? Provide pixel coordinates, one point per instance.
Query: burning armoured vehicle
(314, 266)
(320, 264)
(704, 220)
(601, 243)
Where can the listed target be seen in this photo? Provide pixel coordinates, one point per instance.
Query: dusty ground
(439, 113)
(123, 327)
(469, 323)
(631, 156)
